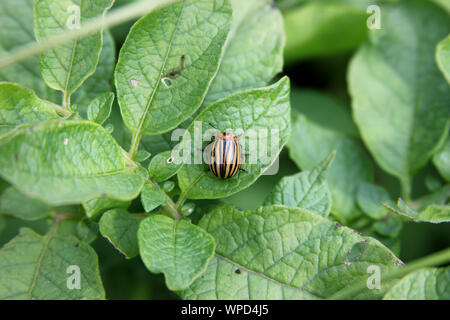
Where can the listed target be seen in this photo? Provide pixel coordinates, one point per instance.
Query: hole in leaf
(134, 82)
(166, 82)
(356, 252)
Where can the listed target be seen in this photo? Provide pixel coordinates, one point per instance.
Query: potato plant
(107, 111)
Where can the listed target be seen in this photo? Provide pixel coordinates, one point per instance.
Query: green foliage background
(363, 116)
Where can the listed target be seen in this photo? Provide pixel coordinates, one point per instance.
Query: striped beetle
(225, 155)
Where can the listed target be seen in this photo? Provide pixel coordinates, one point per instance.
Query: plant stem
(135, 144)
(62, 111)
(66, 101)
(405, 184)
(170, 204)
(434, 259)
(114, 18)
(173, 208)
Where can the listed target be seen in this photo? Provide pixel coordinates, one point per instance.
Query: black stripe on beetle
(225, 156)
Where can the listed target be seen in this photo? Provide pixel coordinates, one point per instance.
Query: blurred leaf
(152, 197)
(73, 161)
(432, 183)
(20, 105)
(120, 228)
(442, 160)
(17, 204)
(315, 104)
(2, 224)
(178, 249)
(443, 3)
(311, 143)
(320, 28)
(66, 67)
(253, 51)
(194, 30)
(401, 101)
(439, 196)
(16, 25)
(99, 108)
(101, 80)
(96, 207)
(87, 230)
(369, 197)
(443, 57)
(433, 213)
(278, 252)
(423, 284)
(306, 190)
(78, 229)
(157, 143)
(389, 228)
(256, 111)
(36, 267)
(162, 166)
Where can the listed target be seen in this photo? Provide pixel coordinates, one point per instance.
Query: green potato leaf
(315, 104)
(401, 101)
(120, 228)
(40, 267)
(443, 57)
(67, 162)
(444, 4)
(101, 80)
(163, 167)
(259, 111)
(311, 143)
(320, 28)
(284, 252)
(178, 249)
(253, 51)
(307, 190)
(141, 155)
(424, 284)
(78, 229)
(435, 214)
(2, 224)
(20, 105)
(67, 66)
(370, 198)
(16, 25)
(96, 207)
(99, 108)
(168, 61)
(441, 160)
(17, 204)
(152, 197)
(432, 213)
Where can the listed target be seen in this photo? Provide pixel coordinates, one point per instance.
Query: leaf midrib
(69, 72)
(44, 249)
(157, 84)
(281, 284)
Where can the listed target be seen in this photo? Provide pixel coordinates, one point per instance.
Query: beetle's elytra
(225, 156)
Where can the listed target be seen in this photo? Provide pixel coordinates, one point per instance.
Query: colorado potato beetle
(225, 156)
